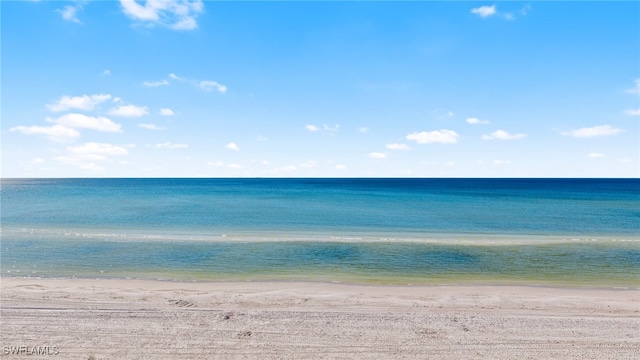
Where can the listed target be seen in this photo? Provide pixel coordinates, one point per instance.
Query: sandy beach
(140, 319)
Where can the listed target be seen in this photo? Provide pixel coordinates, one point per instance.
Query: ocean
(564, 232)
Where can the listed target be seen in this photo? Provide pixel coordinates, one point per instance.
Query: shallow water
(420, 231)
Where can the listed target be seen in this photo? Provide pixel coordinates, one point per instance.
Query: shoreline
(128, 319)
(203, 283)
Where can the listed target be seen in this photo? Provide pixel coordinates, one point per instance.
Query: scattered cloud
(624, 160)
(37, 161)
(341, 167)
(208, 85)
(129, 111)
(311, 128)
(476, 121)
(289, 168)
(84, 155)
(57, 133)
(503, 135)
(363, 129)
(443, 136)
(84, 102)
(636, 88)
(166, 112)
(151, 127)
(232, 146)
(484, 11)
(633, 112)
(106, 72)
(309, 164)
(487, 11)
(377, 155)
(92, 148)
(601, 130)
(330, 128)
(398, 147)
(156, 83)
(173, 14)
(596, 155)
(70, 12)
(450, 163)
(175, 77)
(265, 162)
(440, 114)
(171, 146)
(81, 121)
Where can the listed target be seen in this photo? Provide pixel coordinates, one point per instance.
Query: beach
(133, 319)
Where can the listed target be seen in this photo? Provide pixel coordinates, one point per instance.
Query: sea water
(577, 232)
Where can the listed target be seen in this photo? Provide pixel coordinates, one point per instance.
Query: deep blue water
(580, 231)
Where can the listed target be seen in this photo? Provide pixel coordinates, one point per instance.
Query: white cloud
(56, 132)
(171, 146)
(37, 161)
(83, 156)
(596, 155)
(329, 128)
(208, 85)
(341, 167)
(636, 88)
(311, 128)
(265, 162)
(377, 155)
(69, 13)
(475, 121)
(601, 130)
(234, 166)
(92, 167)
(501, 162)
(443, 136)
(174, 14)
(129, 111)
(81, 121)
(232, 146)
(175, 77)
(363, 129)
(484, 11)
(398, 147)
(84, 102)
(156, 83)
(106, 72)
(215, 163)
(441, 114)
(503, 135)
(309, 164)
(624, 160)
(289, 168)
(633, 112)
(93, 148)
(450, 163)
(166, 112)
(150, 127)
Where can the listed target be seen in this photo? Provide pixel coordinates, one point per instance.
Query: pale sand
(132, 319)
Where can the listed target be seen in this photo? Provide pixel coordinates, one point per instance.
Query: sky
(190, 88)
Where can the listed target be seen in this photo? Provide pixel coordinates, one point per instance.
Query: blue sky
(182, 88)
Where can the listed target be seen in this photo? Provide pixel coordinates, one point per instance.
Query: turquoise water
(419, 231)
